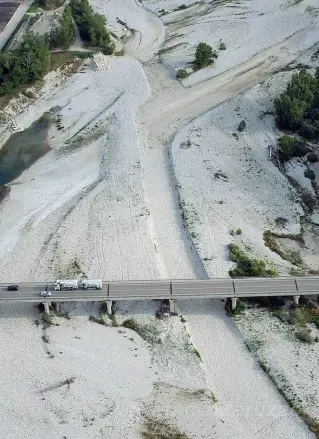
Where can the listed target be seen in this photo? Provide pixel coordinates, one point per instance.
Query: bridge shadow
(125, 307)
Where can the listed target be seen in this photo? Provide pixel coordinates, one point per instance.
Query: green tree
(204, 56)
(298, 107)
(91, 25)
(24, 65)
(64, 34)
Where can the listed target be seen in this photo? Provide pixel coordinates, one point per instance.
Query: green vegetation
(240, 307)
(239, 231)
(25, 65)
(162, 12)
(305, 336)
(91, 26)
(302, 316)
(204, 56)
(312, 157)
(222, 46)
(271, 242)
(47, 321)
(290, 146)
(246, 266)
(148, 332)
(49, 4)
(241, 126)
(298, 107)
(64, 34)
(309, 174)
(181, 7)
(103, 308)
(96, 320)
(181, 74)
(160, 429)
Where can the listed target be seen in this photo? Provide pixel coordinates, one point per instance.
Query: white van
(45, 293)
(92, 284)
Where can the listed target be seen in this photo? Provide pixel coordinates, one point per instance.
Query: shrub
(204, 56)
(247, 266)
(304, 336)
(181, 7)
(222, 46)
(95, 320)
(239, 231)
(181, 74)
(103, 308)
(241, 126)
(291, 147)
(308, 131)
(312, 157)
(47, 321)
(131, 324)
(309, 174)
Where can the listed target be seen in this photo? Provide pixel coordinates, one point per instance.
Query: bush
(308, 131)
(246, 266)
(309, 174)
(241, 126)
(222, 46)
(304, 336)
(181, 7)
(204, 56)
(130, 324)
(64, 34)
(291, 147)
(312, 157)
(181, 74)
(239, 231)
(103, 308)
(50, 4)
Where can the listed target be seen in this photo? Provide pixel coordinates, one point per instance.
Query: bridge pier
(47, 307)
(58, 307)
(296, 300)
(233, 303)
(172, 305)
(109, 306)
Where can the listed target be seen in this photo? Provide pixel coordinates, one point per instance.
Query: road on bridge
(167, 289)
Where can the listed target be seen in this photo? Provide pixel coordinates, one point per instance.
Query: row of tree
(25, 65)
(91, 26)
(297, 108)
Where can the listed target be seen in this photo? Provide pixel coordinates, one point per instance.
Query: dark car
(13, 288)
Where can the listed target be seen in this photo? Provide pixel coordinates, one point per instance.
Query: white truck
(92, 284)
(66, 285)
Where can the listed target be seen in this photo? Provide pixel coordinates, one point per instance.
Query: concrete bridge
(167, 289)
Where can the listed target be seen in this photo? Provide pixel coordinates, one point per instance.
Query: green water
(24, 148)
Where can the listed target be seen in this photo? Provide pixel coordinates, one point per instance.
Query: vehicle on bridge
(92, 284)
(45, 293)
(66, 285)
(13, 288)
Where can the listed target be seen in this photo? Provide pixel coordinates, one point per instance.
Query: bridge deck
(168, 289)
